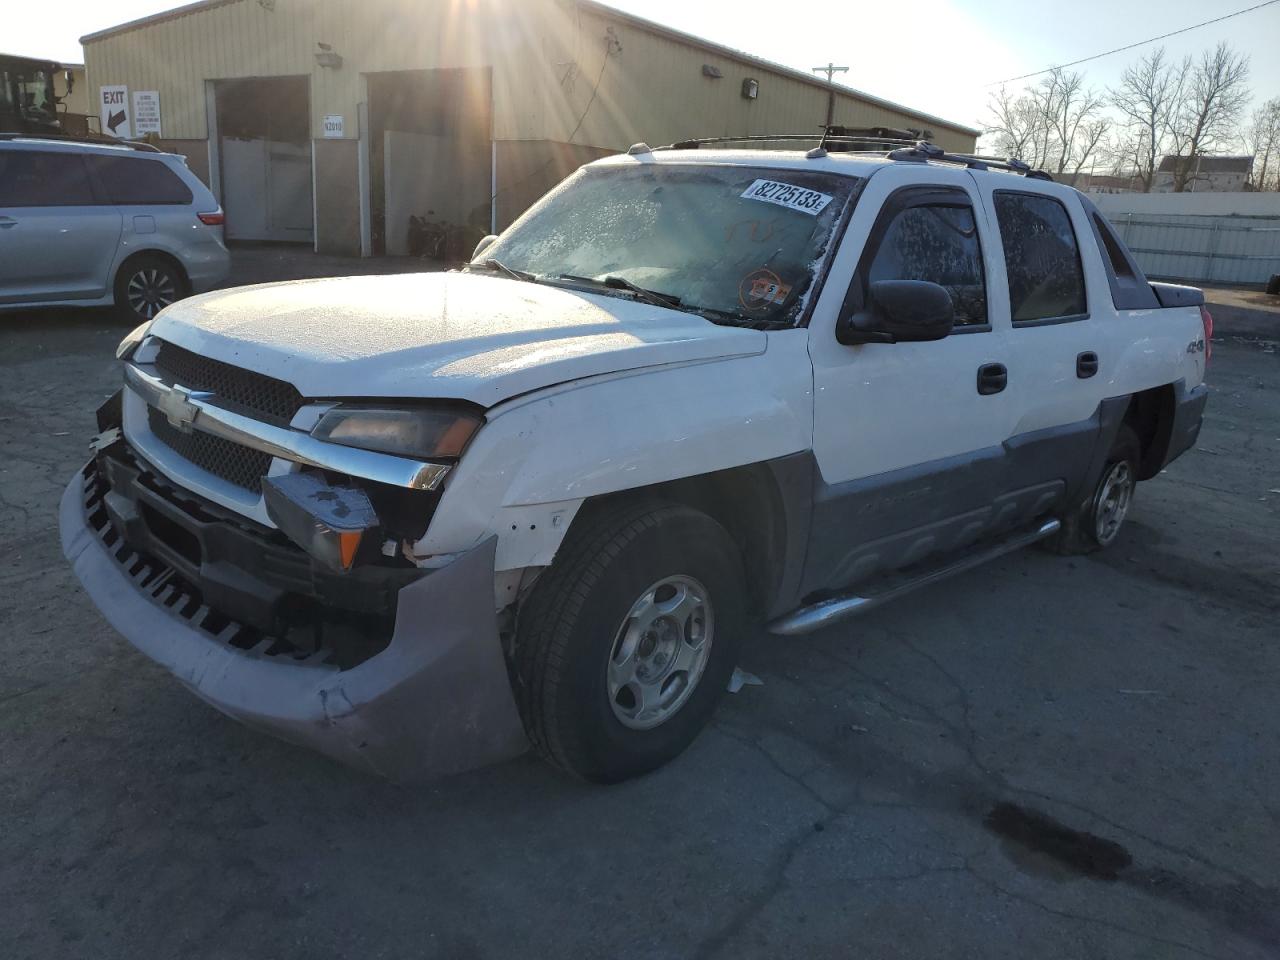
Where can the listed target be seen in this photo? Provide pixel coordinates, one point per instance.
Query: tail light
(1207, 318)
(215, 219)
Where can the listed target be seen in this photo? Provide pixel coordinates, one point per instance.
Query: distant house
(1101, 182)
(1208, 174)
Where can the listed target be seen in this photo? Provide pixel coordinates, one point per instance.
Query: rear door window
(1042, 258)
(133, 181)
(34, 178)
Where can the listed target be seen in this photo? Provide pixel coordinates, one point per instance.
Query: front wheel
(628, 640)
(1097, 524)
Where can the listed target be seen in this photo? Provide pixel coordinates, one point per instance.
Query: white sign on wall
(146, 112)
(113, 111)
(335, 127)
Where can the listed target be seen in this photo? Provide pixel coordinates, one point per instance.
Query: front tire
(146, 285)
(628, 640)
(1097, 524)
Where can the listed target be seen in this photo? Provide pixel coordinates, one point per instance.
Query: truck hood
(451, 335)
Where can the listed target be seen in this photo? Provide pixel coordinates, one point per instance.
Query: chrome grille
(231, 461)
(254, 394)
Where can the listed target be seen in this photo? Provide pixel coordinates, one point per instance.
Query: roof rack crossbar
(924, 151)
(694, 144)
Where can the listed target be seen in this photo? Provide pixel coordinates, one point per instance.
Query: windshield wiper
(622, 283)
(498, 265)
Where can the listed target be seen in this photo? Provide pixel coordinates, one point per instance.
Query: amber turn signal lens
(348, 544)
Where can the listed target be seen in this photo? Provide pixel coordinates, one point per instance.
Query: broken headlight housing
(131, 341)
(421, 433)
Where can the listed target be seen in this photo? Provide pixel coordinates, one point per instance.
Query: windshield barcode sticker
(785, 195)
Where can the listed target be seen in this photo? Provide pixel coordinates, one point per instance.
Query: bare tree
(1147, 99)
(1017, 127)
(1263, 140)
(1058, 124)
(1073, 115)
(1215, 95)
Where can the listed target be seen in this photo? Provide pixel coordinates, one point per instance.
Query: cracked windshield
(738, 244)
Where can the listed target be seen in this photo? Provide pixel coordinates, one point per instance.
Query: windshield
(735, 244)
(28, 92)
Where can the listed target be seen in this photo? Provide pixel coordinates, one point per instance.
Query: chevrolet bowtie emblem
(178, 409)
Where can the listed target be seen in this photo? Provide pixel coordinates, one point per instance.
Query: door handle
(1086, 364)
(7, 222)
(992, 378)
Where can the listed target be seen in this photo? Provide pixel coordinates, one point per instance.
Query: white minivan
(95, 224)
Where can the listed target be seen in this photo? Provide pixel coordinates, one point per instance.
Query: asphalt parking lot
(1043, 758)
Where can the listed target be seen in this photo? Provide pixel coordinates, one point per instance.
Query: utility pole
(831, 70)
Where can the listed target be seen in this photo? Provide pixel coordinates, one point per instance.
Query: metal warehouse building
(331, 122)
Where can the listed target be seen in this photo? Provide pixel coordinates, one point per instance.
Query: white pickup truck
(418, 522)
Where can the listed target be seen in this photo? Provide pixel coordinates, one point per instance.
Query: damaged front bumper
(436, 701)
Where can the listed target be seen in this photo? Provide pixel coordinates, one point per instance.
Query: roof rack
(903, 145)
(842, 136)
(924, 151)
(96, 141)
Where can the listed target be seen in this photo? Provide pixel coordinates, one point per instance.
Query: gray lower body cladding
(872, 525)
(436, 701)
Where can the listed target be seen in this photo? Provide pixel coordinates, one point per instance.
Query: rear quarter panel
(1156, 347)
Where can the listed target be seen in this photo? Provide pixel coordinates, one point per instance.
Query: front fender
(540, 457)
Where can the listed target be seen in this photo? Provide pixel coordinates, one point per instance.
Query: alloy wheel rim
(1114, 496)
(151, 290)
(660, 652)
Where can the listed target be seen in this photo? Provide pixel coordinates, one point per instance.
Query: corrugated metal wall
(1202, 249)
(654, 89)
(242, 38)
(1199, 237)
(547, 57)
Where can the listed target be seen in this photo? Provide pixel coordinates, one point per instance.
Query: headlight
(130, 342)
(427, 433)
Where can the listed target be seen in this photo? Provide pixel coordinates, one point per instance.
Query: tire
(1097, 523)
(589, 609)
(147, 284)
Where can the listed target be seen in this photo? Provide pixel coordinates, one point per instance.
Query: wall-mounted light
(750, 89)
(712, 71)
(328, 57)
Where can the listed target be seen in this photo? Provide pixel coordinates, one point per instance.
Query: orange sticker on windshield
(761, 290)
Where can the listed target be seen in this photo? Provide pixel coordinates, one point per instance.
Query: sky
(938, 56)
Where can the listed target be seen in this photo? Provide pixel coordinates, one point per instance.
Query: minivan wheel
(146, 285)
(1098, 523)
(627, 641)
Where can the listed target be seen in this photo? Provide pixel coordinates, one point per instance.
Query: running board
(826, 612)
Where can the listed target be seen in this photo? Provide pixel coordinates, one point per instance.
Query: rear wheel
(1098, 523)
(628, 640)
(146, 285)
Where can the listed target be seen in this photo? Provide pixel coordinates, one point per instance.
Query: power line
(1163, 36)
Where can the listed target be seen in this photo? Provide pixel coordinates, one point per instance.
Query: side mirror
(483, 245)
(901, 311)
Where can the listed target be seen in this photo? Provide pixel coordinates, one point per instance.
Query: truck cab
(422, 522)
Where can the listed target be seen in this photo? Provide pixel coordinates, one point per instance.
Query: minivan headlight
(428, 433)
